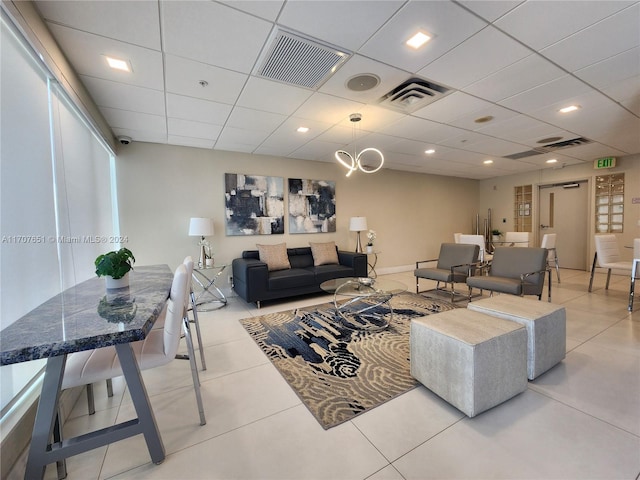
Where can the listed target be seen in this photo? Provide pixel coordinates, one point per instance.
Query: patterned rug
(341, 372)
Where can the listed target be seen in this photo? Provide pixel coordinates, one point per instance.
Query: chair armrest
(523, 276)
(425, 261)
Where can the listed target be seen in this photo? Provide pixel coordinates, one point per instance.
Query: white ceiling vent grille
(413, 94)
(299, 61)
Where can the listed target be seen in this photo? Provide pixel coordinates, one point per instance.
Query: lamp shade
(200, 227)
(358, 224)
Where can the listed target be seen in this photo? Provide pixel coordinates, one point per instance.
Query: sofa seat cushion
(329, 272)
(292, 278)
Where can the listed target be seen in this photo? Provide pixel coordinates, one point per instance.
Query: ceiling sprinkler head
(355, 117)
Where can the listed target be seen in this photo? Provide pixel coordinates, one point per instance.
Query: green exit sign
(607, 162)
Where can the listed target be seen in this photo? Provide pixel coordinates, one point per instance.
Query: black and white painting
(312, 206)
(254, 204)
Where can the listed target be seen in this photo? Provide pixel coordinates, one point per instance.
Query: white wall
(160, 187)
(497, 194)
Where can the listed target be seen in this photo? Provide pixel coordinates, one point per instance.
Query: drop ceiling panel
(183, 77)
(204, 111)
(242, 136)
(136, 22)
(190, 141)
(87, 54)
(194, 29)
(449, 23)
(545, 94)
(268, 10)
(249, 119)
(348, 23)
(188, 128)
(275, 97)
(591, 151)
(518, 77)
(540, 24)
(125, 97)
(420, 129)
(469, 62)
(327, 108)
(491, 10)
(609, 37)
(525, 130)
(128, 120)
(613, 70)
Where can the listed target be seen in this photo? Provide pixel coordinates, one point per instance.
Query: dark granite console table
(84, 317)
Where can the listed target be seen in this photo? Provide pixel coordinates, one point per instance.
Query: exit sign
(607, 162)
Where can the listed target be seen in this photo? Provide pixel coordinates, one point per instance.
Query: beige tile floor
(579, 420)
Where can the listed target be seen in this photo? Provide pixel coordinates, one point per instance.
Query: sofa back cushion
(275, 256)
(300, 257)
(324, 253)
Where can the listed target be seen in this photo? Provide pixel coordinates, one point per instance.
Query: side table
(209, 294)
(372, 263)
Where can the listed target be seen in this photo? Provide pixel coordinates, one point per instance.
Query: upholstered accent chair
(455, 263)
(516, 271)
(608, 256)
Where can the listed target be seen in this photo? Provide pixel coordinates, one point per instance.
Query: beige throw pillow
(324, 253)
(275, 256)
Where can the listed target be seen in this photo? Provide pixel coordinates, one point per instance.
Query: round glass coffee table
(367, 304)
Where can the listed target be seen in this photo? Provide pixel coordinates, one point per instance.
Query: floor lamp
(358, 224)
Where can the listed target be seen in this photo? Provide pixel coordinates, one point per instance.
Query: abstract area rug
(338, 372)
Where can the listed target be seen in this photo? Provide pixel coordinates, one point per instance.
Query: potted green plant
(115, 267)
(496, 234)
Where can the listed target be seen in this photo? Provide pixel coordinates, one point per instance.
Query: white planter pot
(496, 238)
(369, 248)
(113, 283)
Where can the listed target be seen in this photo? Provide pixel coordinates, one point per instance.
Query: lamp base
(358, 244)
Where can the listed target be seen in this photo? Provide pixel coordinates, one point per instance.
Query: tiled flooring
(579, 420)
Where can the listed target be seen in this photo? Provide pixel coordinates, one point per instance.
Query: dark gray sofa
(255, 283)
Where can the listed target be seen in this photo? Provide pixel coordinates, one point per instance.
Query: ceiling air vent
(551, 147)
(574, 142)
(300, 61)
(413, 94)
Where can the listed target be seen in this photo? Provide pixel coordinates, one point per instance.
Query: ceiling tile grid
(506, 68)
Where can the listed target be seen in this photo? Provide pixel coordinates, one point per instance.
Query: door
(564, 211)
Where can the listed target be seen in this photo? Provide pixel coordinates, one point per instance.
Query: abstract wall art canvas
(254, 204)
(312, 206)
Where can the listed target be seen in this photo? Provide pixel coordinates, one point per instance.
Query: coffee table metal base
(362, 312)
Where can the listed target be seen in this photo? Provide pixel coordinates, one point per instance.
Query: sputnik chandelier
(353, 164)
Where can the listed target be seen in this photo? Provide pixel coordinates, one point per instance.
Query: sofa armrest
(250, 278)
(357, 261)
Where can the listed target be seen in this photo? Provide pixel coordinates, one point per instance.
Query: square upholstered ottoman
(546, 326)
(472, 360)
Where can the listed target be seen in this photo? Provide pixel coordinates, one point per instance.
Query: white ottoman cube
(546, 326)
(471, 360)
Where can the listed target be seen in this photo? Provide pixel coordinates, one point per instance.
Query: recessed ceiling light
(570, 108)
(552, 160)
(430, 151)
(118, 64)
(303, 129)
(488, 162)
(418, 40)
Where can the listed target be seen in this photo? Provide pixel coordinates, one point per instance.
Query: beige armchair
(516, 271)
(455, 263)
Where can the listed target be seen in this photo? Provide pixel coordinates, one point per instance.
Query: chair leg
(593, 270)
(194, 369)
(555, 259)
(90, 401)
(635, 265)
(109, 387)
(608, 278)
(61, 465)
(196, 322)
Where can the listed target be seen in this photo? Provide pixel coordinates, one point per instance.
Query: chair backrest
(456, 237)
(512, 262)
(457, 254)
(188, 263)
(474, 240)
(607, 249)
(519, 239)
(175, 311)
(549, 241)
